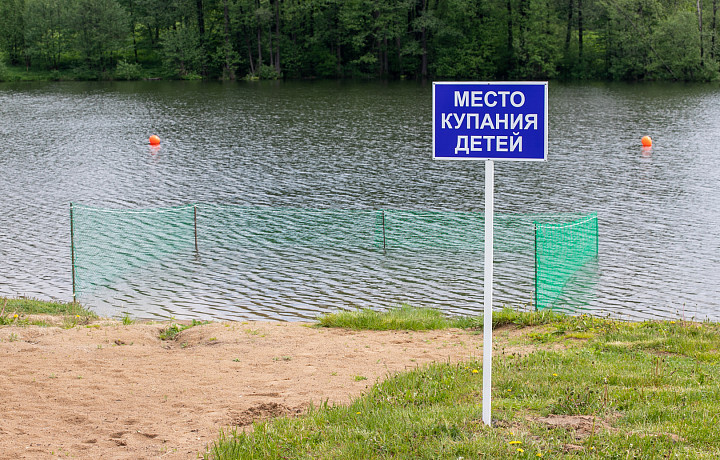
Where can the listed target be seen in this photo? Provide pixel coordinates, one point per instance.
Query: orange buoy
(154, 140)
(646, 141)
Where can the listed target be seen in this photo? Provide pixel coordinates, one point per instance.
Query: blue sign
(490, 121)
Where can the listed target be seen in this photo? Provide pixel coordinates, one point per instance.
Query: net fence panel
(234, 226)
(433, 230)
(110, 245)
(463, 231)
(563, 252)
(312, 259)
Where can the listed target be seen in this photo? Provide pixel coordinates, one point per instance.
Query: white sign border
(487, 83)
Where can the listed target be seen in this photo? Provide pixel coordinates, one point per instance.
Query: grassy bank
(23, 311)
(21, 73)
(585, 388)
(407, 317)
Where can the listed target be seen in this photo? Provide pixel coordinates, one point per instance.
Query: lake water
(360, 146)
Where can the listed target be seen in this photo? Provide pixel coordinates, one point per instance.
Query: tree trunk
(580, 31)
(228, 71)
(423, 40)
(510, 38)
(259, 40)
(386, 63)
(200, 17)
(250, 56)
(278, 69)
(568, 31)
(201, 30)
(523, 26)
(338, 61)
(399, 54)
(378, 42)
(132, 30)
(714, 30)
(424, 68)
(702, 51)
(270, 46)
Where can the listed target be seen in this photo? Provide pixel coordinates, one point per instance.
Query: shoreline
(89, 387)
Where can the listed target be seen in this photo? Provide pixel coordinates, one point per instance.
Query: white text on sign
(500, 121)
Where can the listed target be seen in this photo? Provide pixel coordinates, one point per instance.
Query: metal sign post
(488, 289)
(490, 121)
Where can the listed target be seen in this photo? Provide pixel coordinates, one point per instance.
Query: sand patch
(105, 390)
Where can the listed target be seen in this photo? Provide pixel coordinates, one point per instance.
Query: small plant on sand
(70, 322)
(6, 318)
(126, 320)
(171, 332)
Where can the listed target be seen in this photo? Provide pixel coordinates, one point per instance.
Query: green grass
(647, 390)
(406, 317)
(173, 330)
(510, 316)
(401, 317)
(14, 310)
(126, 320)
(21, 73)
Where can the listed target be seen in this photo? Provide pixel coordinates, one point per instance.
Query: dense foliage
(445, 39)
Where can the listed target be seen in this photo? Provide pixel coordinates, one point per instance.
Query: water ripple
(355, 146)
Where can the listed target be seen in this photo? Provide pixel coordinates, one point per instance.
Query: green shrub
(128, 71)
(4, 74)
(191, 76)
(268, 73)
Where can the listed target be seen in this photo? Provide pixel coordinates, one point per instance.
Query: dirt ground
(106, 390)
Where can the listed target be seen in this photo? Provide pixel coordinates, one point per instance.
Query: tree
(100, 31)
(459, 39)
(182, 52)
(228, 52)
(46, 33)
(678, 47)
(12, 29)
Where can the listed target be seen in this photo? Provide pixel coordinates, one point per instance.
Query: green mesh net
(562, 251)
(109, 244)
(289, 227)
(171, 249)
(432, 230)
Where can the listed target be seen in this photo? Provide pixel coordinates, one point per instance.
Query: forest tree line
(439, 39)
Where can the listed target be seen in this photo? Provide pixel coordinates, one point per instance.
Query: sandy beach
(108, 390)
